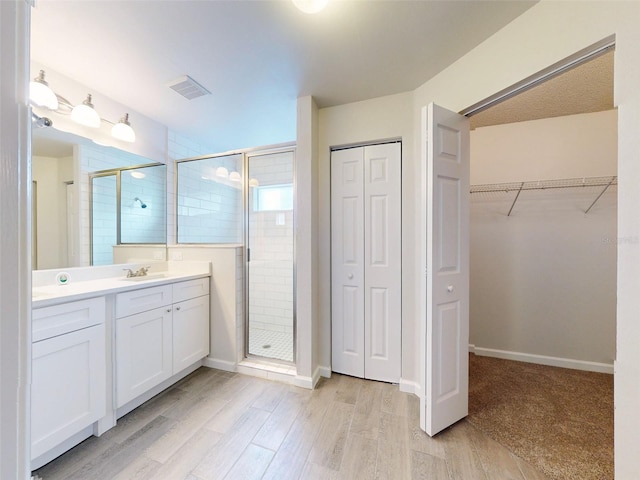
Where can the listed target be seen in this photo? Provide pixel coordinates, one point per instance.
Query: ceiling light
(123, 131)
(235, 177)
(85, 114)
(310, 6)
(222, 172)
(254, 182)
(136, 174)
(41, 95)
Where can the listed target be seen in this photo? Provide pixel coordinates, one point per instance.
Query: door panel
(347, 262)
(383, 254)
(446, 333)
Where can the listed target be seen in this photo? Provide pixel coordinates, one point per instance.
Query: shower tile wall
(209, 206)
(143, 225)
(178, 147)
(93, 159)
(271, 267)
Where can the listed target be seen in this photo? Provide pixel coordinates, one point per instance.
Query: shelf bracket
(515, 199)
(613, 179)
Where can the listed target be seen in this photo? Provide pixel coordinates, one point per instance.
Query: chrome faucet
(142, 272)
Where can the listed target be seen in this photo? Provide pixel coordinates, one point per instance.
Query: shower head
(142, 204)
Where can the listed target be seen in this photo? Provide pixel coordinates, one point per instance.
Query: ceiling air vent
(188, 87)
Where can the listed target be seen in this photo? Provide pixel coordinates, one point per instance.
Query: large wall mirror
(63, 168)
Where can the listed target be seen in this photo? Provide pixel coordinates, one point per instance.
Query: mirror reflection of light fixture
(310, 6)
(254, 182)
(41, 94)
(136, 174)
(222, 172)
(123, 131)
(85, 114)
(235, 177)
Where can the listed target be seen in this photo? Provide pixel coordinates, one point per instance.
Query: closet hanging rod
(545, 184)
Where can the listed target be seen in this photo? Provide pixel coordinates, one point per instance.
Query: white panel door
(366, 283)
(347, 262)
(383, 259)
(446, 336)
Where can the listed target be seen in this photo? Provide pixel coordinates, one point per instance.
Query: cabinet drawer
(136, 301)
(57, 320)
(190, 289)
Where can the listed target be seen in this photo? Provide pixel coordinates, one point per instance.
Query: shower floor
(266, 343)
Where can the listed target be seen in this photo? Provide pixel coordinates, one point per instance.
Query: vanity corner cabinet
(68, 387)
(160, 331)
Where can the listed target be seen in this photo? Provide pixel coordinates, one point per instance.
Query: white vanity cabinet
(68, 385)
(159, 332)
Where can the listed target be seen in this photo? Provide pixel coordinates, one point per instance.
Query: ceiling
(584, 89)
(256, 57)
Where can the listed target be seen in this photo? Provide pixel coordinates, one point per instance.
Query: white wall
(545, 34)
(543, 280)
(15, 254)
(378, 119)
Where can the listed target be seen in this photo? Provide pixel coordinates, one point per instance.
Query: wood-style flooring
(219, 425)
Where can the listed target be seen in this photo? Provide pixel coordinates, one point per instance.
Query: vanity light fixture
(235, 177)
(41, 94)
(123, 131)
(222, 172)
(254, 182)
(85, 114)
(310, 6)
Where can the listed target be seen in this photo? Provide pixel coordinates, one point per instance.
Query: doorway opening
(544, 237)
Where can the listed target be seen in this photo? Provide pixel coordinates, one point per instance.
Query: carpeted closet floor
(559, 420)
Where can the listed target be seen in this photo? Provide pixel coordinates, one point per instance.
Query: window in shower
(270, 253)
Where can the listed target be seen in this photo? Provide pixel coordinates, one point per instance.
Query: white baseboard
(544, 360)
(409, 386)
(220, 364)
(324, 372)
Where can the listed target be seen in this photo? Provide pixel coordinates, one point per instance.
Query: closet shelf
(518, 187)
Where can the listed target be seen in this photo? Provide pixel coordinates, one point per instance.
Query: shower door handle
(248, 254)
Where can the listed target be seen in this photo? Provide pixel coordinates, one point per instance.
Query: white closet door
(366, 262)
(347, 262)
(382, 227)
(445, 347)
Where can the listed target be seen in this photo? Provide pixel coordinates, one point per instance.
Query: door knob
(350, 276)
(450, 288)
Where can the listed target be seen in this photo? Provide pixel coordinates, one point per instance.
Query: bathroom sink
(153, 276)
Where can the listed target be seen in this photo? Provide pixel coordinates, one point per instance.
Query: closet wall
(543, 280)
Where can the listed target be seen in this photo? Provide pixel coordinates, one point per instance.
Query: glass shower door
(270, 254)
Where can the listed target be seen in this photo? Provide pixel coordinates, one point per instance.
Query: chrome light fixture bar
(41, 95)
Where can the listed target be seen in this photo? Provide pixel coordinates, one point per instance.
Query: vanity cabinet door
(143, 352)
(190, 332)
(68, 386)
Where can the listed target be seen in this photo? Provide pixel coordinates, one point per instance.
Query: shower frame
(117, 172)
(246, 199)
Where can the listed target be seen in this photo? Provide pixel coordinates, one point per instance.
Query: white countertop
(47, 295)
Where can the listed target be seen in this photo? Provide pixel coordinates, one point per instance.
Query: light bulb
(123, 131)
(41, 95)
(310, 6)
(85, 114)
